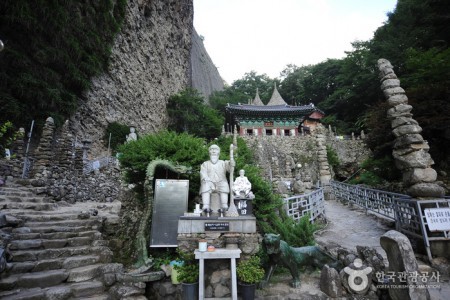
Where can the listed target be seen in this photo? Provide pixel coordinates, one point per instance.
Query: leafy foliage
(332, 157)
(182, 148)
(188, 270)
(377, 170)
(118, 134)
(52, 49)
(250, 270)
(189, 113)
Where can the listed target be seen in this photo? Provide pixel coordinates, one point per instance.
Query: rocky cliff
(204, 75)
(150, 61)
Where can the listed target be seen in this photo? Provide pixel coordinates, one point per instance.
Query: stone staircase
(56, 251)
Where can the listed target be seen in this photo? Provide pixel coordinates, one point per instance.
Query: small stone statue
(132, 136)
(242, 186)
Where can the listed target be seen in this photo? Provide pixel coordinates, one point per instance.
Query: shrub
(250, 270)
(332, 157)
(183, 149)
(188, 270)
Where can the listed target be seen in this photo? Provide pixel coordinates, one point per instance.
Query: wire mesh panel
(407, 219)
(302, 205)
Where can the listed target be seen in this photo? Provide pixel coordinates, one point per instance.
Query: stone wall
(284, 158)
(150, 62)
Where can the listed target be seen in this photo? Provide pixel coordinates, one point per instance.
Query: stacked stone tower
(44, 152)
(410, 150)
(324, 172)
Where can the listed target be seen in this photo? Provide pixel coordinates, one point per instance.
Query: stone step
(53, 264)
(11, 186)
(53, 229)
(32, 280)
(94, 234)
(33, 216)
(83, 290)
(93, 221)
(37, 255)
(13, 192)
(84, 273)
(79, 291)
(32, 199)
(30, 205)
(48, 244)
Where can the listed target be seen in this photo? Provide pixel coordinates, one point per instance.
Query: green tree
(189, 113)
(252, 81)
(52, 49)
(292, 86)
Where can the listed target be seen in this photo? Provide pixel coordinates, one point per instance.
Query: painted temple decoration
(275, 118)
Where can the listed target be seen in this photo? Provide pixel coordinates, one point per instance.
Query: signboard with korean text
(171, 200)
(217, 226)
(438, 219)
(244, 206)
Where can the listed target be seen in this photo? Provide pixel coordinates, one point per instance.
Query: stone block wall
(287, 157)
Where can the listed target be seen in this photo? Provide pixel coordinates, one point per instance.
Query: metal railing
(378, 201)
(301, 205)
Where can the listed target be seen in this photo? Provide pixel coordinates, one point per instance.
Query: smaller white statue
(132, 136)
(242, 187)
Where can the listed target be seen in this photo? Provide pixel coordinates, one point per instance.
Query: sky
(266, 35)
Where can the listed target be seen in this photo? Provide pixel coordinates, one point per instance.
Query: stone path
(349, 226)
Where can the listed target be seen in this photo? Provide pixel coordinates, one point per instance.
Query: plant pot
(247, 290)
(190, 291)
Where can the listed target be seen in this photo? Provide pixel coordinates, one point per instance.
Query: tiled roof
(241, 110)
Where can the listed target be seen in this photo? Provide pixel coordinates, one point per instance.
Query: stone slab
(218, 253)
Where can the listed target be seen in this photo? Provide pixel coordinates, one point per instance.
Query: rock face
(150, 61)
(204, 75)
(410, 150)
(401, 259)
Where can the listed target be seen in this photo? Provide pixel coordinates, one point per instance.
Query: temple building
(275, 118)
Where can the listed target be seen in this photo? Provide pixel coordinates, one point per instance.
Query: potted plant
(249, 273)
(188, 275)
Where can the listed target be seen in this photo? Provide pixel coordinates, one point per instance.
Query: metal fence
(301, 205)
(380, 202)
(407, 213)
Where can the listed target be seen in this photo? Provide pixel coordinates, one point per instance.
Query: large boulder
(401, 259)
